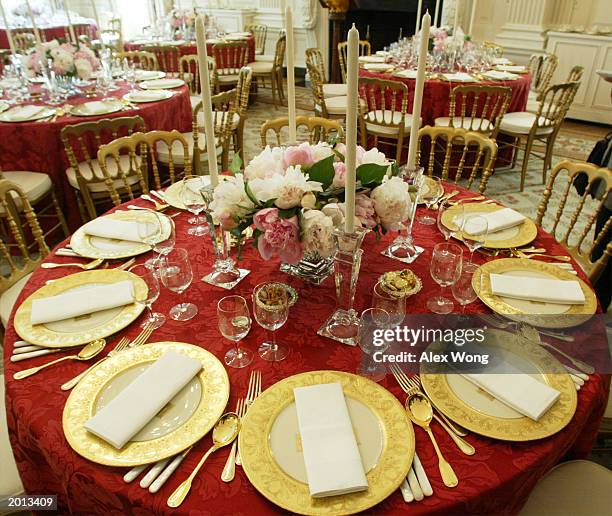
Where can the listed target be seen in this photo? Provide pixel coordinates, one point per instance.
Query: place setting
(26, 113)
(161, 84)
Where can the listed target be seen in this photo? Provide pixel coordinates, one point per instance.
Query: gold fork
(85, 266)
(229, 470)
(142, 337)
(253, 391)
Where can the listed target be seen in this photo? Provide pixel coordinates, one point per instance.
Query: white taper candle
(34, 27)
(352, 103)
(209, 127)
(95, 13)
(456, 22)
(418, 17)
(70, 27)
(473, 16)
(418, 91)
(290, 74)
(435, 20)
(9, 34)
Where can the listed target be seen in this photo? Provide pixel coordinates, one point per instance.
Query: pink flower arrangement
(278, 236)
(66, 58)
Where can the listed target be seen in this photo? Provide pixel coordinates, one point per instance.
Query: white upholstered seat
(521, 122)
(111, 166)
(473, 124)
(335, 90)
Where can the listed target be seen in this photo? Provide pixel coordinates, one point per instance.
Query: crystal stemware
(430, 195)
(193, 200)
(154, 319)
(234, 322)
(159, 243)
(443, 208)
(372, 323)
(176, 275)
(474, 231)
(445, 268)
(463, 289)
(271, 310)
(394, 306)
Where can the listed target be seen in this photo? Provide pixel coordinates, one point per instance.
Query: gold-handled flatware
(443, 199)
(86, 353)
(224, 433)
(229, 470)
(142, 337)
(85, 266)
(253, 391)
(521, 254)
(420, 412)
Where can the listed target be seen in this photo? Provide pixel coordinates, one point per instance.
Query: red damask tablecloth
(36, 146)
(497, 479)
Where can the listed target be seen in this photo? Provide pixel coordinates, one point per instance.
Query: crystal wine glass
(176, 275)
(443, 208)
(372, 323)
(192, 198)
(463, 290)
(234, 322)
(393, 305)
(430, 195)
(271, 310)
(474, 231)
(154, 319)
(445, 268)
(159, 243)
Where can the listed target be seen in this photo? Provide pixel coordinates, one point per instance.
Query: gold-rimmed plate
(173, 193)
(146, 96)
(536, 313)
(182, 422)
(149, 75)
(85, 328)
(4, 106)
(96, 108)
(429, 184)
(275, 467)
(111, 249)
(162, 84)
(516, 236)
(477, 411)
(13, 115)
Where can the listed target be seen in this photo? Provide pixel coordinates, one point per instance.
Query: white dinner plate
(161, 84)
(85, 109)
(378, 67)
(8, 115)
(496, 75)
(511, 68)
(240, 34)
(372, 59)
(149, 75)
(139, 97)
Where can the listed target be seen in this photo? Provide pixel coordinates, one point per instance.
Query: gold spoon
(89, 351)
(419, 410)
(224, 433)
(85, 266)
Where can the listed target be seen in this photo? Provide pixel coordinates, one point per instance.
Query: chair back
(167, 57)
(314, 128)
(19, 215)
(318, 96)
(243, 90)
(189, 71)
(314, 60)
(462, 152)
(365, 49)
(115, 24)
(554, 104)
(571, 216)
(230, 57)
(260, 33)
(542, 67)
(279, 52)
(479, 108)
(575, 74)
(386, 102)
(145, 60)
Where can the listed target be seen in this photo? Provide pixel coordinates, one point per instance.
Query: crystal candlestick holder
(403, 248)
(343, 324)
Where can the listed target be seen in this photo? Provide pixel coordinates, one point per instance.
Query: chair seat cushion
(334, 90)
(86, 172)
(227, 79)
(336, 105)
(578, 487)
(264, 58)
(521, 122)
(163, 155)
(259, 67)
(387, 116)
(474, 124)
(7, 301)
(10, 483)
(34, 184)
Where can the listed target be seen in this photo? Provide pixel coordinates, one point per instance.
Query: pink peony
(279, 236)
(227, 221)
(359, 152)
(298, 155)
(364, 211)
(339, 174)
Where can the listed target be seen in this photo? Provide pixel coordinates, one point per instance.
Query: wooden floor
(590, 129)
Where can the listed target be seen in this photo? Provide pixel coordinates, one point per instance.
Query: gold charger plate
(173, 195)
(273, 482)
(83, 329)
(429, 184)
(536, 313)
(83, 400)
(517, 236)
(480, 413)
(97, 247)
(112, 106)
(6, 116)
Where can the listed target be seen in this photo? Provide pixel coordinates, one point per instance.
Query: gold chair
(481, 108)
(243, 91)
(274, 71)
(571, 209)
(499, 50)
(81, 143)
(542, 126)
(229, 57)
(260, 33)
(317, 129)
(458, 147)
(144, 60)
(385, 117)
(15, 204)
(167, 57)
(189, 71)
(542, 67)
(314, 61)
(327, 107)
(365, 49)
(575, 74)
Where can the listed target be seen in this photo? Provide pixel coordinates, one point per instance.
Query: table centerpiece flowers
(294, 198)
(66, 59)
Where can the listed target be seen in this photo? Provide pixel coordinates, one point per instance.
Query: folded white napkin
(24, 112)
(371, 59)
(138, 403)
(496, 221)
(148, 94)
(331, 456)
(562, 292)
(501, 61)
(511, 68)
(96, 107)
(459, 77)
(130, 230)
(380, 67)
(500, 76)
(163, 83)
(80, 302)
(143, 75)
(407, 74)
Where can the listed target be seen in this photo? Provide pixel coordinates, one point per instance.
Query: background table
(90, 29)
(36, 146)
(496, 480)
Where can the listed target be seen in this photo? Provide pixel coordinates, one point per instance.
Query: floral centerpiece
(67, 59)
(294, 198)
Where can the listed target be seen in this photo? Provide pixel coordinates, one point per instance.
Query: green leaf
(287, 214)
(339, 155)
(250, 194)
(395, 170)
(323, 171)
(236, 164)
(371, 173)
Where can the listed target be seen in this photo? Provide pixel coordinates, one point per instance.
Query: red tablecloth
(495, 480)
(56, 32)
(191, 48)
(36, 146)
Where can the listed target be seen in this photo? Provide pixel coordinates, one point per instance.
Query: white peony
(392, 203)
(230, 199)
(321, 151)
(334, 211)
(287, 189)
(266, 164)
(373, 156)
(317, 233)
(83, 68)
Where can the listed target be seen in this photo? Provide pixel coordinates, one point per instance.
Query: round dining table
(497, 479)
(55, 32)
(36, 146)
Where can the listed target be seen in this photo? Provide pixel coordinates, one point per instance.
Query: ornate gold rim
(80, 404)
(166, 96)
(431, 183)
(42, 336)
(80, 241)
(499, 306)
(116, 106)
(436, 386)
(145, 86)
(286, 492)
(47, 112)
(527, 231)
